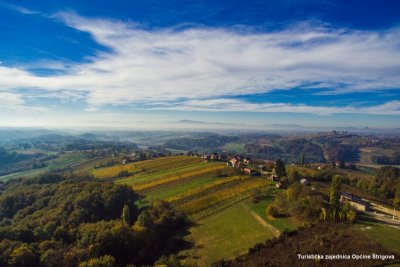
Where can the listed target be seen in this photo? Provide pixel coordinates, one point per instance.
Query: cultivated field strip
(176, 178)
(164, 163)
(90, 165)
(208, 201)
(202, 190)
(151, 175)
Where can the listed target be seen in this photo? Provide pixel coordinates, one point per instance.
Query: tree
(126, 215)
(302, 159)
(280, 169)
(23, 255)
(104, 261)
(334, 193)
(170, 261)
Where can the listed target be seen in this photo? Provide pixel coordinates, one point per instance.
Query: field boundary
(274, 230)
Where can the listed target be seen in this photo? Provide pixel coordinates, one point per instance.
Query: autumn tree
(126, 215)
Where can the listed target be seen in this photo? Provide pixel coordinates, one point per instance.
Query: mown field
(387, 236)
(225, 234)
(214, 196)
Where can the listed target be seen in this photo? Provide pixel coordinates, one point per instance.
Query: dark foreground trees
(58, 220)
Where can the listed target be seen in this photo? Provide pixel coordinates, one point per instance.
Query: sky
(220, 64)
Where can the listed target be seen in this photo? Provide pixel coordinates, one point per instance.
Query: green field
(281, 223)
(386, 235)
(64, 161)
(225, 235)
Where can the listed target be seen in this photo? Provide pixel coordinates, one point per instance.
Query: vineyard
(153, 165)
(210, 193)
(194, 187)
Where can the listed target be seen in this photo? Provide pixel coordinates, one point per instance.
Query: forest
(69, 220)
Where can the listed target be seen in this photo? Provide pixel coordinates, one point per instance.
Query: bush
(351, 216)
(272, 210)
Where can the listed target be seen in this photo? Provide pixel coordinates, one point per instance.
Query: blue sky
(149, 63)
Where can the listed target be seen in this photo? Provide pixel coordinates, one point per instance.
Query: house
(214, 156)
(261, 167)
(234, 162)
(249, 171)
(247, 161)
(355, 201)
(206, 157)
(273, 178)
(305, 182)
(280, 185)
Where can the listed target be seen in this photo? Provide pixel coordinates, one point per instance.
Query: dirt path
(275, 231)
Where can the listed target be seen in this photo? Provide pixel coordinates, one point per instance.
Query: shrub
(272, 210)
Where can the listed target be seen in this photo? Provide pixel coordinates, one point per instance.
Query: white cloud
(149, 66)
(11, 102)
(10, 99)
(218, 105)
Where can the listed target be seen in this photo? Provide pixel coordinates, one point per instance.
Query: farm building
(249, 171)
(234, 162)
(206, 157)
(355, 201)
(247, 161)
(215, 156)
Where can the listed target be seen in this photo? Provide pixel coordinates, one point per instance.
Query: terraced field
(210, 193)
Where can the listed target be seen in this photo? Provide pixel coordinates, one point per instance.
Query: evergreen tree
(280, 169)
(126, 215)
(334, 194)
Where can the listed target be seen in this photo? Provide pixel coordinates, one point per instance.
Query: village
(266, 168)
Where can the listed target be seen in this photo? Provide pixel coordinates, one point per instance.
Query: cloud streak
(229, 105)
(199, 64)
